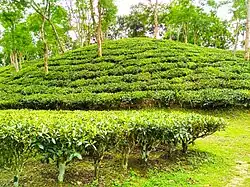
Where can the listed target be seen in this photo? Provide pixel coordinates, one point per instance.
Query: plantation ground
(219, 160)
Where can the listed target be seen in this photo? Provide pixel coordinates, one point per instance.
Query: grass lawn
(219, 160)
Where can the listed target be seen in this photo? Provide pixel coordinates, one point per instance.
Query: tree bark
(185, 33)
(236, 37)
(96, 169)
(88, 35)
(170, 32)
(13, 60)
(3, 61)
(125, 156)
(247, 31)
(195, 38)
(57, 36)
(145, 153)
(92, 12)
(44, 16)
(20, 60)
(62, 168)
(45, 47)
(14, 50)
(156, 28)
(99, 30)
(178, 34)
(16, 61)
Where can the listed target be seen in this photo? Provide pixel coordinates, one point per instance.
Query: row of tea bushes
(204, 98)
(62, 136)
(127, 67)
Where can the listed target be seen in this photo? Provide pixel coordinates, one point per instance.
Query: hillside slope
(132, 73)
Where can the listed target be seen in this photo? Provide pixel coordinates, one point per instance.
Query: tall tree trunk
(92, 12)
(16, 61)
(88, 35)
(185, 33)
(170, 32)
(185, 39)
(178, 34)
(45, 47)
(20, 60)
(4, 61)
(236, 37)
(57, 37)
(13, 60)
(195, 38)
(46, 15)
(247, 31)
(156, 28)
(13, 45)
(99, 30)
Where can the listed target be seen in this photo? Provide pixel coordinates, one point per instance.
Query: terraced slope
(132, 73)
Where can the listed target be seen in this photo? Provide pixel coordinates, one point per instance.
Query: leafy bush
(62, 136)
(17, 139)
(131, 73)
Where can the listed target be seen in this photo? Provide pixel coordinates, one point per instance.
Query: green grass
(210, 162)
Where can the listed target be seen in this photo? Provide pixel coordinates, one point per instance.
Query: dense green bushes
(63, 136)
(205, 98)
(139, 70)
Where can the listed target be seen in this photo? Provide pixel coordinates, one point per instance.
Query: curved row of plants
(114, 86)
(131, 72)
(204, 98)
(63, 136)
(165, 69)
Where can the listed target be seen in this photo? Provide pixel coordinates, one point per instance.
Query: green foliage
(187, 22)
(180, 20)
(133, 73)
(59, 17)
(140, 21)
(62, 136)
(17, 139)
(109, 13)
(15, 41)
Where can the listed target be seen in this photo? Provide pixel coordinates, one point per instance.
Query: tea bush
(62, 136)
(142, 70)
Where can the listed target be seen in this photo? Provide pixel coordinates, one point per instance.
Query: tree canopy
(42, 28)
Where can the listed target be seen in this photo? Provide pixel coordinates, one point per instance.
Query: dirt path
(243, 170)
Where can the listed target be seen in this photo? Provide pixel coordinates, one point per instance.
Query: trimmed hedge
(62, 136)
(205, 99)
(139, 69)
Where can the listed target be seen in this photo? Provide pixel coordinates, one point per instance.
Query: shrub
(62, 136)
(128, 74)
